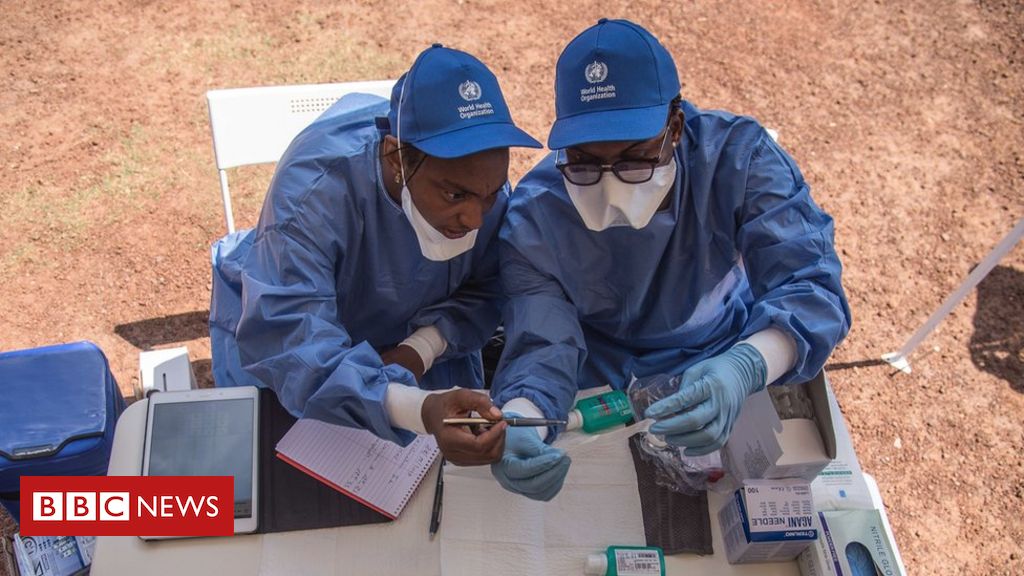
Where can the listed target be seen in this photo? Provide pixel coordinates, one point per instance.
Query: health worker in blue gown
(371, 280)
(656, 238)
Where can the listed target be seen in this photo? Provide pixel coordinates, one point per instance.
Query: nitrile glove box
(762, 445)
(840, 532)
(768, 521)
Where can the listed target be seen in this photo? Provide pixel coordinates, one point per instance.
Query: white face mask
(612, 202)
(434, 245)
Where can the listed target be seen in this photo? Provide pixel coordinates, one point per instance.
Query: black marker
(435, 515)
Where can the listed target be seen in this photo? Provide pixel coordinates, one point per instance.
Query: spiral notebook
(376, 472)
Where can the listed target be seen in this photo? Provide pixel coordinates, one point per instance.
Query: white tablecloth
(403, 546)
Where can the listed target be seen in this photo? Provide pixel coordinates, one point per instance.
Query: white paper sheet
(486, 527)
(489, 530)
(377, 472)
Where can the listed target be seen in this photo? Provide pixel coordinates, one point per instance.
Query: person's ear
(390, 153)
(677, 122)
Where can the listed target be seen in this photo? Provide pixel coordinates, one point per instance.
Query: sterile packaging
(674, 469)
(841, 531)
(768, 521)
(764, 445)
(53, 555)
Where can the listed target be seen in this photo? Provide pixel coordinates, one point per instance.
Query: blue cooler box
(58, 409)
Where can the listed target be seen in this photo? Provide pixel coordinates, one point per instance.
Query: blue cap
(613, 82)
(451, 106)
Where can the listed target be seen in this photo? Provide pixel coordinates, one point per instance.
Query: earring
(398, 179)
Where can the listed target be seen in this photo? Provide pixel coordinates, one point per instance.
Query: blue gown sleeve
(289, 336)
(469, 317)
(544, 344)
(786, 242)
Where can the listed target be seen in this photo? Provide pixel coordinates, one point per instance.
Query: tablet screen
(211, 438)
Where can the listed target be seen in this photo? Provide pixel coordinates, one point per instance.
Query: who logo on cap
(450, 105)
(596, 72)
(469, 90)
(614, 81)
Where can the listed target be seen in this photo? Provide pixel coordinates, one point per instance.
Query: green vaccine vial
(600, 412)
(627, 561)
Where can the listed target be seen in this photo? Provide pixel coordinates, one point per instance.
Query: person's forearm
(777, 348)
(428, 343)
(404, 405)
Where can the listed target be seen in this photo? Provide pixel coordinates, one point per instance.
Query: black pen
(435, 515)
(510, 420)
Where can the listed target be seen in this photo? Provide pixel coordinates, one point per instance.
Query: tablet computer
(210, 432)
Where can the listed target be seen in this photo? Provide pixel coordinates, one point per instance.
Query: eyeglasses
(630, 171)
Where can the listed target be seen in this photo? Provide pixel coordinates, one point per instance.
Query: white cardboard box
(165, 370)
(842, 528)
(764, 446)
(768, 521)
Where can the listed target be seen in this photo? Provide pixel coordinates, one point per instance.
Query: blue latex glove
(529, 466)
(700, 416)
(859, 559)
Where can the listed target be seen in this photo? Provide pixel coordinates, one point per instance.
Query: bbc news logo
(114, 506)
(83, 506)
(127, 505)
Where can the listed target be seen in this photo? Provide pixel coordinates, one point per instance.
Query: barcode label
(637, 563)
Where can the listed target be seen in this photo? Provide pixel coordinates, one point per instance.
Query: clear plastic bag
(674, 470)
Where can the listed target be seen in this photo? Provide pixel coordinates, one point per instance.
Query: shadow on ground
(152, 332)
(997, 344)
(203, 369)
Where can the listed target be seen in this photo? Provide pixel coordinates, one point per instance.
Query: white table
(355, 549)
(399, 547)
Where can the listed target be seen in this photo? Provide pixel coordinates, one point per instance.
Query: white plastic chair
(256, 125)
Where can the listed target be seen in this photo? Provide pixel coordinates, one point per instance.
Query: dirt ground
(906, 118)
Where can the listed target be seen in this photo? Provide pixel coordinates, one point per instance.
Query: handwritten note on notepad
(376, 472)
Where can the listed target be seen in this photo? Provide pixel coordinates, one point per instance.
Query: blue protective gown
(333, 272)
(742, 247)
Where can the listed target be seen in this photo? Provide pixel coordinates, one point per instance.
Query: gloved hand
(700, 416)
(860, 561)
(529, 466)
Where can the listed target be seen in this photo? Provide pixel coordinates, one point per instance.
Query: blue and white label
(637, 563)
(778, 510)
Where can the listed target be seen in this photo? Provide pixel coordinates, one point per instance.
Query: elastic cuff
(777, 348)
(404, 405)
(429, 343)
(526, 409)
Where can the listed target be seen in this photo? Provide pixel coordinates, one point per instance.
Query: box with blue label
(768, 521)
(852, 542)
